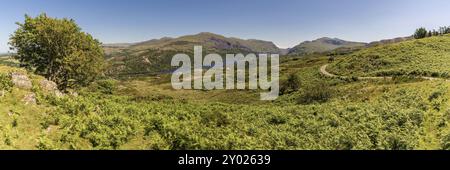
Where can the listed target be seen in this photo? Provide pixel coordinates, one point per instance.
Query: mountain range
(155, 55)
(209, 41)
(221, 44)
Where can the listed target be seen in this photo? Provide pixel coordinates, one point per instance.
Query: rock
(49, 129)
(50, 86)
(58, 94)
(10, 113)
(47, 85)
(145, 60)
(74, 93)
(30, 98)
(21, 81)
(2, 93)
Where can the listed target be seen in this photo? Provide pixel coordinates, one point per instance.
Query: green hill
(322, 45)
(326, 113)
(213, 42)
(155, 55)
(423, 57)
(145, 113)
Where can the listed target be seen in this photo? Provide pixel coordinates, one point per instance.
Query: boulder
(29, 98)
(51, 87)
(21, 80)
(47, 85)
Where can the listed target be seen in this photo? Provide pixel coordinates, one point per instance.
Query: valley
(328, 111)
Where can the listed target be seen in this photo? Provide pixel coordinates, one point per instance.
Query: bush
(317, 93)
(290, 85)
(106, 86)
(5, 82)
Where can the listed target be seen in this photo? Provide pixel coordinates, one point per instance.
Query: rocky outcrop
(50, 87)
(21, 80)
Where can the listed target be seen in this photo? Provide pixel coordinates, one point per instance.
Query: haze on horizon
(286, 23)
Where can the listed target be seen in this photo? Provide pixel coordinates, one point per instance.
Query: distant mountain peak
(327, 38)
(323, 44)
(207, 33)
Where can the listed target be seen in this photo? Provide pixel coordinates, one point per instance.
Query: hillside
(389, 41)
(322, 45)
(423, 57)
(214, 42)
(145, 113)
(154, 56)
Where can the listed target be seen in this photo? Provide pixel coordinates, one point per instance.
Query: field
(325, 113)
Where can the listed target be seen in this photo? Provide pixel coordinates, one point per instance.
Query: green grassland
(325, 113)
(423, 57)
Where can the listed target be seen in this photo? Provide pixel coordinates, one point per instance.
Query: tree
(435, 33)
(444, 30)
(58, 50)
(420, 33)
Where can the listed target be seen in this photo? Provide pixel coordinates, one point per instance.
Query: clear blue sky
(285, 22)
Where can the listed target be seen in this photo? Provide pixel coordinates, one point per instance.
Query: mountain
(114, 48)
(209, 41)
(390, 41)
(155, 55)
(323, 45)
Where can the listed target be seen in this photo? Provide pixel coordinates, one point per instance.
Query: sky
(285, 22)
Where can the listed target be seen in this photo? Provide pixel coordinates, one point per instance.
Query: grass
(146, 113)
(8, 61)
(423, 57)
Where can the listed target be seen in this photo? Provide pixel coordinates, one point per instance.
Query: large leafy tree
(58, 50)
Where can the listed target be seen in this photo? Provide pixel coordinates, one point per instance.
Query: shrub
(290, 85)
(316, 93)
(5, 82)
(106, 86)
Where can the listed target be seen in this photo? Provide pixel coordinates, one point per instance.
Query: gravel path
(324, 71)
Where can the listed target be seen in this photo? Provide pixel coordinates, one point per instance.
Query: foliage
(420, 33)
(325, 113)
(392, 121)
(5, 82)
(58, 50)
(422, 57)
(106, 86)
(318, 92)
(290, 85)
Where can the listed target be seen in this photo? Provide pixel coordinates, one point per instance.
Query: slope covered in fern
(422, 57)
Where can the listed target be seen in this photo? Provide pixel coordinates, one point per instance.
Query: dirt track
(324, 71)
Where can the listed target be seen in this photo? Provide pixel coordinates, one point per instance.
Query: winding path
(324, 71)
